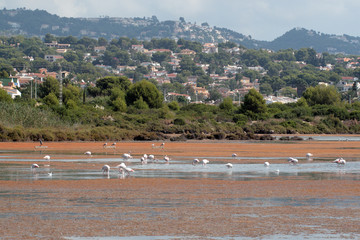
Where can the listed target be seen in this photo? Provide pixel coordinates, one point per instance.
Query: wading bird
(105, 169)
(293, 161)
(166, 159)
(124, 169)
(127, 156)
(34, 167)
(229, 165)
(266, 164)
(195, 161)
(309, 156)
(204, 162)
(340, 161)
(234, 155)
(88, 153)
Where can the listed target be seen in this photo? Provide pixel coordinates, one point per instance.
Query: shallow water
(181, 168)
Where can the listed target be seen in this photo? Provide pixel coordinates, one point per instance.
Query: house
(210, 48)
(10, 85)
(100, 49)
(172, 96)
(138, 48)
(53, 58)
(188, 52)
(346, 84)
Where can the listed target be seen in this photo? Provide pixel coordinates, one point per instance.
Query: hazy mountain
(39, 22)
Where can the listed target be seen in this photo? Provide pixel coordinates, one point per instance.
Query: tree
(227, 104)
(254, 103)
(51, 85)
(147, 92)
(321, 94)
(266, 89)
(4, 96)
(106, 84)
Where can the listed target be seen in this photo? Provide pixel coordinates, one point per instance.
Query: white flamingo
(204, 162)
(309, 156)
(340, 161)
(34, 167)
(162, 145)
(123, 168)
(105, 144)
(229, 165)
(234, 155)
(88, 153)
(166, 159)
(195, 161)
(105, 169)
(293, 161)
(151, 157)
(127, 156)
(47, 157)
(266, 164)
(113, 144)
(143, 160)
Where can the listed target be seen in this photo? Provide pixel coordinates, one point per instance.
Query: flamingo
(293, 161)
(123, 168)
(309, 156)
(340, 161)
(106, 169)
(151, 157)
(167, 159)
(234, 155)
(33, 167)
(266, 164)
(88, 153)
(127, 156)
(105, 144)
(162, 145)
(143, 160)
(204, 162)
(113, 144)
(195, 161)
(229, 165)
(47, 157)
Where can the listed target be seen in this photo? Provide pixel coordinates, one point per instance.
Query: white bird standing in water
(309, 156)
(47, 157)
(88, 153)
(293, 161)
(266, 164)
(151, 157)
(34, 167)
(106, 169)
(123, 168)
(229, 165)
(234, 155)
(127, 156)
(143, 160)
(195, 161)
(340, 161)
(166, 159)
(204, 162)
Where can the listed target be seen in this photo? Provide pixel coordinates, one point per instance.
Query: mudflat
(198, 208)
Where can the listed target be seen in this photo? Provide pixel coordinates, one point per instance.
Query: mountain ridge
(39, 23)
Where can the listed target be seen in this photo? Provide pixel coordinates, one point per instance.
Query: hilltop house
(10, 85)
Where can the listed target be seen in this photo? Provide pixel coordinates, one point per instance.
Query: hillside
(39, 23)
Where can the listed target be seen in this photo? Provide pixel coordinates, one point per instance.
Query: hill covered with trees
(119, 90)
(39, 23)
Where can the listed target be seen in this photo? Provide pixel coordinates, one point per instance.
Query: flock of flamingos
(125, 170)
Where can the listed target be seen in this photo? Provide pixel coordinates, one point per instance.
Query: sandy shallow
(56, 209)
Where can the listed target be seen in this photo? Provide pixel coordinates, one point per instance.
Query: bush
(179, 121)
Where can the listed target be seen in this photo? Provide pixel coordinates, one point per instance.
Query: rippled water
(178, 168)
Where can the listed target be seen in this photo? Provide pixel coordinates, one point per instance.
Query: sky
(261, 19)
